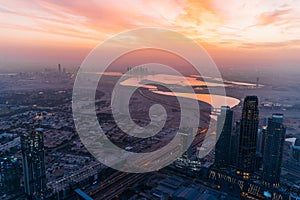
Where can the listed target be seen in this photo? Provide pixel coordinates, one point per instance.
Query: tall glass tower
(224, 130)
(248, 136)
(273, 150)
(32, 146)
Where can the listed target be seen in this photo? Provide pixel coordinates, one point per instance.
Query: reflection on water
(110, 73)
(228, 82)
(169, 79)
(215, 101)
(8, 74)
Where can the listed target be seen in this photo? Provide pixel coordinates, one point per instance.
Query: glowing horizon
(46, 32)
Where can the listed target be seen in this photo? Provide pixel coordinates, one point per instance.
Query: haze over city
(241, 34)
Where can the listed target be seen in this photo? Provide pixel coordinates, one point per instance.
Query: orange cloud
(199, 20)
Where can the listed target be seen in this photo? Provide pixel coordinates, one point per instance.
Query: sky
(236, 33)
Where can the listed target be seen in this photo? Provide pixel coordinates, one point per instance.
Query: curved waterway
(186, 81)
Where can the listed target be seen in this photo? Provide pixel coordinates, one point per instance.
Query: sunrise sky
(237, 33)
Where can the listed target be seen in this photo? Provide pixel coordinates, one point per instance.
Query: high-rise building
(224, 130)
(234, 144)
(262, 135)
(186, 138)
(273, 150)
(184, 145)
(10, 176)
(248, 136)
(32, 146)
(260, 146)
(262, 138)
(277, 117)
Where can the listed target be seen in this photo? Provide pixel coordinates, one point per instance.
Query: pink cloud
(274, 17)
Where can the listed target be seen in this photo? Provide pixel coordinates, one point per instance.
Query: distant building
(261, 139)
(59, 68)
(257, 82)
(224, 130)
(234, 144)
(32, 146)
(10, 175)
(248, 136)
(186, 138)
(262, 135)
(277, 117)
(273, 150)
(262, 132)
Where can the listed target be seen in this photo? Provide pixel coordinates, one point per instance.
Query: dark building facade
(224, 131)
(262, 139)
(234, 144)
(273, 150)
(32, 146)
(248, 136)
(10, 176)
(186, 138)
(277, 117)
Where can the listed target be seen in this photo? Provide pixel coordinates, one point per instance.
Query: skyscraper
(186, 138)
(261, 135)
(273, 150)
(234, 144)
(262, 139)
(277, 117)
(224, 130)
(32, 146)
(248, 136)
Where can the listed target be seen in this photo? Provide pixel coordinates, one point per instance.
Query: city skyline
(149, 99)
(258, 175)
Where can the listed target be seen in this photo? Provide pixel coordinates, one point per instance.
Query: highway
(88, 171)
(114, 185)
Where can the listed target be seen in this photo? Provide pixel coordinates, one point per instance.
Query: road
(114, 185)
